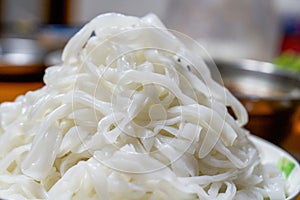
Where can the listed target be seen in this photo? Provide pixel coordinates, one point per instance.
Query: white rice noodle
(132, 113)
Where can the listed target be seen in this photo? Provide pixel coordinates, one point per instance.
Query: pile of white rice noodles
(132, 112)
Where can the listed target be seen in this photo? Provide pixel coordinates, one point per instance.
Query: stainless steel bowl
(19, 57)
(269, 95)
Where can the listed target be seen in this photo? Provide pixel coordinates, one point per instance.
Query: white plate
(270, 153)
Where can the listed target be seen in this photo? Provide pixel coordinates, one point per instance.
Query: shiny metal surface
(259, 80)
(21, 56)
(269, 95)
(53, 58)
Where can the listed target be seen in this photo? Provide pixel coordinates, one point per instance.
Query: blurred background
(225, 27)
(255, 44)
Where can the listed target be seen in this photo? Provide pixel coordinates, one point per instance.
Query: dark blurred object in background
(1, 21)
(58, 12)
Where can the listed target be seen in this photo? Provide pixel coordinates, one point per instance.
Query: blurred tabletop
(10, 90)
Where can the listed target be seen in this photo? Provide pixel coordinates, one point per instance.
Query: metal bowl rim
(264, 68)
